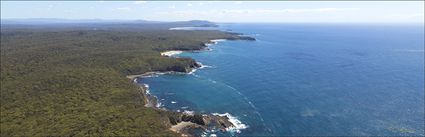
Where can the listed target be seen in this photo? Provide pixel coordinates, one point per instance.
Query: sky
(220, 11)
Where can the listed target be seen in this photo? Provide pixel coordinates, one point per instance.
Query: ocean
(307, 79)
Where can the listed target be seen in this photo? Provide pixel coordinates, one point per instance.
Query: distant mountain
(34, 21)
(100, 24)
(45, 21)
(202, 23)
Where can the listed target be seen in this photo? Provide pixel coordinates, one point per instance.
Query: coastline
(151, 100)
(172, 53)
(184, 122)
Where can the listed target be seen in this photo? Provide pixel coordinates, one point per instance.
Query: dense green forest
(70, 79)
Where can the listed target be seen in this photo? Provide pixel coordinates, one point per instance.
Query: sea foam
(159, 104)
(238, 125)
(147, 88)
(187, 112)
(202, 67)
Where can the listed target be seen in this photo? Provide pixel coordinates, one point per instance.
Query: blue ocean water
(308, 79)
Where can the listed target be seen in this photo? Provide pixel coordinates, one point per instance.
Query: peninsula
(67, 79)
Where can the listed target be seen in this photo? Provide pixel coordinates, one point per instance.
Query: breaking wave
(237, 124)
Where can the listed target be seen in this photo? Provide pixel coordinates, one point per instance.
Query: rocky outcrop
(242, 38)
(188, 67)
(195, 64)
(247, 38)
(219, 122)
(205, 121)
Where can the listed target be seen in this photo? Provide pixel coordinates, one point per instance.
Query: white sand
(182, 28)
(217, 40)
(171, 53)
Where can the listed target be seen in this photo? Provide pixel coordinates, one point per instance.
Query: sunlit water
(308, 79)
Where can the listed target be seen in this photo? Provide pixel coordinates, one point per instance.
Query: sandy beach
(171, 53)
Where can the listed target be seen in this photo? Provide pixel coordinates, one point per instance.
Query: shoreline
(151, 100)
(172, 53)
(183, 122)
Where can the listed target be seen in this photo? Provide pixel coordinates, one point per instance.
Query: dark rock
(241, 38)
(174, 119)
(247, 38)
(234, 33)
(198, 119)
(195, 65)
(202, 122)
(177, 68)
(186, 118)
(224, 121)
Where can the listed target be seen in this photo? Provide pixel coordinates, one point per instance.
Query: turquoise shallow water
(308, 79)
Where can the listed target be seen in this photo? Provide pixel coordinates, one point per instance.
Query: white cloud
(139, 2)
(189, 5)
(238, 2)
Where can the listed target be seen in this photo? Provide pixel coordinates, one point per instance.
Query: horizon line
(170, 21)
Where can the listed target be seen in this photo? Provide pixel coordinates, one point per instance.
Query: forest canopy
(69, 79)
